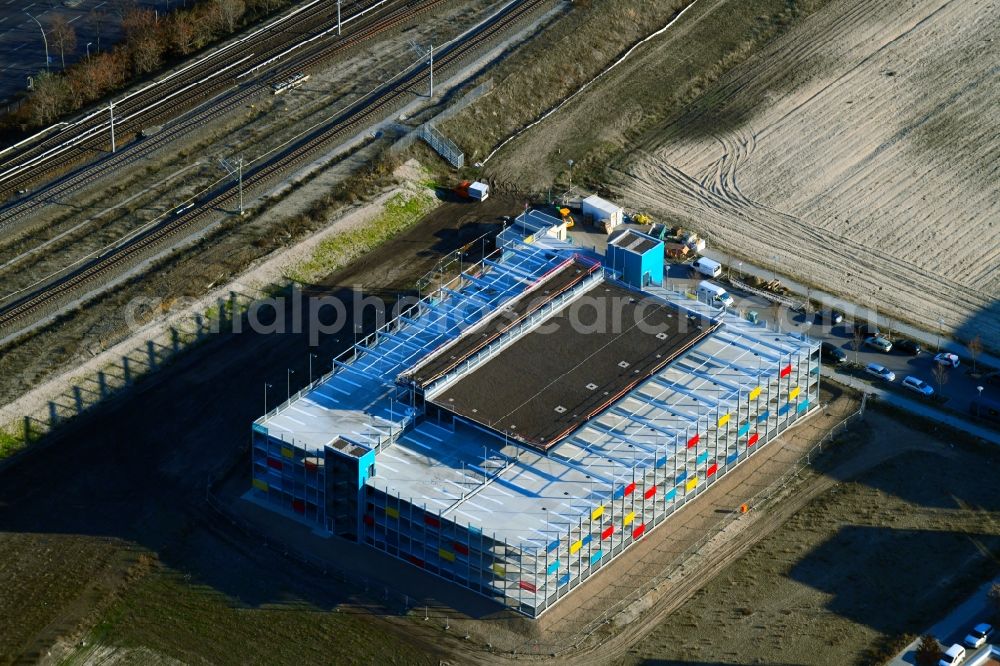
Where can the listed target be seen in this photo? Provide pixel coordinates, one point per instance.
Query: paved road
(931, 340)
(22, 51)
(959, 390)
(954, 626)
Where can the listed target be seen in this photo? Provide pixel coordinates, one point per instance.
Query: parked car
(918, 385)
(864, 329)
(881, 372)
(879, 343)
(829, 317)
(944, 358)
(832, 353)
(907, 346)
(980, 635)
(953, 656)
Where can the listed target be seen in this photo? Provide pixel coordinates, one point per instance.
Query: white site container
(603, 211)
(479, 191)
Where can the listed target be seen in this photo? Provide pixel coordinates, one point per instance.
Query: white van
(953, 656)
(714, 295)
(707, 267)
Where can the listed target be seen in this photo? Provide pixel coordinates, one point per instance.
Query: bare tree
(49, 98)
(138, 23)
(975, 349)
(859, 338)
(928, 651)
(63, 36)
(92, 78)
(144, 41)
(940, 376)
(122, 8)
(229, 13)
(263, 7)
(182, 33)
(994, 596)
(147, 54)
(97, 19)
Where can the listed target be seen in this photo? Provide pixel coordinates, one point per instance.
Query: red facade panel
(694, 440)
(525, 585)
(630, 488)
(753, 439)
(415, 560)
(276, 464)
(432, 521)
(368, 520)
(712, 470)
(608, 531)
(460, 548)
(637, 532)
(649, 493)
(299, 506)
(787, 370)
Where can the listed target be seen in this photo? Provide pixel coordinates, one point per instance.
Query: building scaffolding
(375, 452)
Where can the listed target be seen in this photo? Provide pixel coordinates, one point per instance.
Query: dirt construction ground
(855, 141)
(110, 540)
(901, 525)
(861, 149)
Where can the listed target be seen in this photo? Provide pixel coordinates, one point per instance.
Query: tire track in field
(841, 175)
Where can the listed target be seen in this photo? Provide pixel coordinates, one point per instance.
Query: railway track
(355, 117)
(308, 58)
(181, 90)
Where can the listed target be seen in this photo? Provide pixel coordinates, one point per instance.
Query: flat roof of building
(582, 358)
(528, 497)
(501, 320)
(634, 241)
(602, 204)
(358, 401)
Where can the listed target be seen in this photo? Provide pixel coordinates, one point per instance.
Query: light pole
(88, 49)
(871, 309)
(570, 163)
(45, 40)
(266, 386)
(740, 264)
(774, 267)
(430, 53)
(311, 356)
(288, 385)
(235, 170)
(940, 331)
(111, 107)
(980, 389)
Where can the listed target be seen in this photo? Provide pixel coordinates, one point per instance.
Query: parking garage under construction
(521, 426)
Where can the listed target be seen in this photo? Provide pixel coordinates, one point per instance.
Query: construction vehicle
(472, 190)
(675, 250)
(641, 218)
(567, 218)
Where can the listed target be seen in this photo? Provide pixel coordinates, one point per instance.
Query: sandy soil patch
(861, 150)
